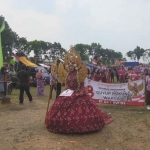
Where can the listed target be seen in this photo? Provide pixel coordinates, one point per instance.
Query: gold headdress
(54, 69)
(72, 58)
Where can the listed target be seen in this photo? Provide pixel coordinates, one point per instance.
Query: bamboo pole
(50, 95)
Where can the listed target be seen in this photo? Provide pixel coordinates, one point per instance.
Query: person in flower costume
(77, 112)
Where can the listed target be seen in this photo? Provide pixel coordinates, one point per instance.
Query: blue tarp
(131, 64)
(89, 65)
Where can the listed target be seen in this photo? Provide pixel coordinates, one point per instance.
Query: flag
(2, 27)
(1, 53)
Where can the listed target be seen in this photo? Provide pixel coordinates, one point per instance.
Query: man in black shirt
(4, 72)
(24, 79)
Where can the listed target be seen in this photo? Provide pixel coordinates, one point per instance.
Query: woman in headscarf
(40, 83)
(148, 91)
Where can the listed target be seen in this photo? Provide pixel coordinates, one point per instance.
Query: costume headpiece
(72, 58)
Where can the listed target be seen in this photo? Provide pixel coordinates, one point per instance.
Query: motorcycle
(9, 87)
(15, 81)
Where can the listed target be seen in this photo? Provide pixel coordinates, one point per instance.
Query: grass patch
(22, 127)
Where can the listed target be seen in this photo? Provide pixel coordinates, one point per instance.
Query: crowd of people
(76, 112)
(121, 74)
(25, 79)
(117, 74)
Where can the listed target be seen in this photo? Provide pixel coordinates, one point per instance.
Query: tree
(39, 47)
(50, 51)
(146, 55)
(95, 48)
(131, 55)
(57, 51)
(137, 53)
(23, 46)
(83, 51)
(9, 39)
(109, 56)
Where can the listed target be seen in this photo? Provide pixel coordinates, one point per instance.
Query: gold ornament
(136, 89)
(72, 58)
(62, 73)
(75, 65)
(82, 74)
(54, 69)
(76, 68)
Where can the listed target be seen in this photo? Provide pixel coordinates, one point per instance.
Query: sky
(120, 25)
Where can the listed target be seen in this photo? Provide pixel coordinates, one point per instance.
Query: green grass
(22, 127)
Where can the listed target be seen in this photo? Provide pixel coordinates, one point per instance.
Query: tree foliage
(23, 46)
(136, 54)
(108, 56)
(9, 39)
(83, 50)
(52, 51)
(146, 55)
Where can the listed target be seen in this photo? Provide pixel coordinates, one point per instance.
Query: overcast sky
(115, 24)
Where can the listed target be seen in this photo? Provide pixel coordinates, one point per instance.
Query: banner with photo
(132, 93)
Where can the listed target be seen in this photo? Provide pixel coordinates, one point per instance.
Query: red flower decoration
(89, 90)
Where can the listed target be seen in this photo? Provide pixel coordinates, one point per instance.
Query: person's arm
(146, 81)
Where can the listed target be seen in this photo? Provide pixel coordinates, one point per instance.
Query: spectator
(103, 77)
(53, 84)
(112, 76)
(4, 72)
(40, 83)
(148, 91)
(24, 79)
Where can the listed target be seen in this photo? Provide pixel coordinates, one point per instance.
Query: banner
(67, 92)
(1, 53)
(132, 93)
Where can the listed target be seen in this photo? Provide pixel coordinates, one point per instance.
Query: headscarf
(39, 74)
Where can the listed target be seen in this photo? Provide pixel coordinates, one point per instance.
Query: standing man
(54, 83)
(58, 82)
(4, 72)
(112, 75)
(24, 79)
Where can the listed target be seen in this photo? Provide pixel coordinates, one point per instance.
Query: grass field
(22, 128)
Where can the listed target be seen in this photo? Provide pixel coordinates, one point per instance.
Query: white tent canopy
(44, 66)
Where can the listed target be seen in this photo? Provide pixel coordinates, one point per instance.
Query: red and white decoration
(115, 93)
